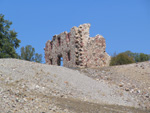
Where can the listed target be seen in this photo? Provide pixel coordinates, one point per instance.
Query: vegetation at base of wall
(128, 57)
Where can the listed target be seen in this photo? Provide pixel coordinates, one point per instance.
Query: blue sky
(125, 24)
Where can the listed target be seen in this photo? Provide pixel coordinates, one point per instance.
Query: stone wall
(77, 49)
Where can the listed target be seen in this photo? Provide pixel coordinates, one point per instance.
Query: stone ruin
(77, 49)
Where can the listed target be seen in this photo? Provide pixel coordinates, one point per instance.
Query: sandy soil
(32, 87)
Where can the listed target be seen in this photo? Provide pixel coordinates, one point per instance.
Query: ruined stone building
(77, 49)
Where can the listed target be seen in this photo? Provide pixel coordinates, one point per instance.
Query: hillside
(33, 87)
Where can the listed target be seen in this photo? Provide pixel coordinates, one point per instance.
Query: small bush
(121, 59)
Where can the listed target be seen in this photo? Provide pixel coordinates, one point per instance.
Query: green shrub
(121, 59)
(138, 57)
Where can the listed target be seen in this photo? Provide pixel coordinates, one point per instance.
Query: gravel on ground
(33, 87)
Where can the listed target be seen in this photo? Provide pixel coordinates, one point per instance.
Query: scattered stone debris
(127, 89)
(120, 85)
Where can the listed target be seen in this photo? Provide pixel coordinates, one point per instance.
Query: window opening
(60, 60)
(51, 45)
(68, 54)
(59, 41)
(51, 61)
(68, 37)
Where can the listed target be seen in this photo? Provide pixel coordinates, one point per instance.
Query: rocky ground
(39, 88)
(132, 78)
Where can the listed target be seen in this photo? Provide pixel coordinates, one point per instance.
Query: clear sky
(125, 24)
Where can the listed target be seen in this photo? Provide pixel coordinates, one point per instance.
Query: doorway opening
(60, 60)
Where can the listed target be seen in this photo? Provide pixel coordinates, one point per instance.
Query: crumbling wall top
(77, 48)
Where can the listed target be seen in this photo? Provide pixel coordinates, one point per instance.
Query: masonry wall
(95, 54)
(77, 49)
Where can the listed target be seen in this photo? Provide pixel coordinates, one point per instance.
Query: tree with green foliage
(143, 57)
(38, 58)
(129, 57)
(121, 59)
(8, 41)
(138, 57)
(28, 53)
